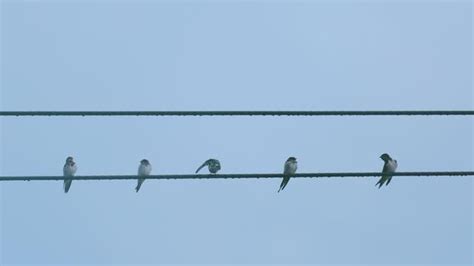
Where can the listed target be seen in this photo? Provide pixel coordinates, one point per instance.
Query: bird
(69, 169)
(290, 168)
(144, 169)
(212, 164)
(390, 166)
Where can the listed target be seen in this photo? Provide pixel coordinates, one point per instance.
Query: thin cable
(234, 176)
(237, 113)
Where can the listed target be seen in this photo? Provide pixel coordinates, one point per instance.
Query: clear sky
(236, 55)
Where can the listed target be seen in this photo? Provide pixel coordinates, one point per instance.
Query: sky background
(233, 55)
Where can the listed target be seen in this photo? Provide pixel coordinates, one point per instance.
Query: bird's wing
(384, 176)
(286, 168)
(386, 168)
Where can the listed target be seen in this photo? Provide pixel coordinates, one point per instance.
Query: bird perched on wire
(212, 164)
(390, 166)
(290, 169)
(144, 169)
(69, 169)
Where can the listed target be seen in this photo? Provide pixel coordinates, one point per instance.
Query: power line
(239, 113)
(234, 176)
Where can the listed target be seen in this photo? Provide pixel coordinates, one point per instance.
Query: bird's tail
(67, 185)
(284, 182)
(200, 167)
(139, 184)
(380, 182)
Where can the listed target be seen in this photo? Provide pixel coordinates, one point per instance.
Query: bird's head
(385, 157)
(69, 159)
(291, 159)
(145, 162)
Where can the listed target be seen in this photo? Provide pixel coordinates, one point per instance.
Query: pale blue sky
(211, 55)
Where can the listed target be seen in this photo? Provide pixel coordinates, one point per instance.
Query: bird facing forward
(289, 169)
(69, 169)
(144, 169)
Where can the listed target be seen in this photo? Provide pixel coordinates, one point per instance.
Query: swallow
(290, 169)
(144, 169)
(389, 167)
(212, 164)
(69, 169)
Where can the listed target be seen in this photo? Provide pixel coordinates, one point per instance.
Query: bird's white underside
(290, 168)
(69, 170)
(144, 169)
